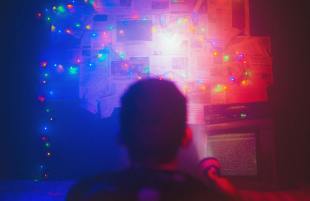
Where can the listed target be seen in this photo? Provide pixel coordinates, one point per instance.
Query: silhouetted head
(153, 120)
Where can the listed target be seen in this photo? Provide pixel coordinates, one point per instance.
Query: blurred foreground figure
(153, 128)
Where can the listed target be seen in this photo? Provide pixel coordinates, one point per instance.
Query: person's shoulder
(82, 189)
(198, 190)
(132, 183)
(180, 186)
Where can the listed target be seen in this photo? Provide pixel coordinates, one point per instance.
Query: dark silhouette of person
(153, 128)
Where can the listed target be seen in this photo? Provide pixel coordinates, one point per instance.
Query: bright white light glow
(170, 42)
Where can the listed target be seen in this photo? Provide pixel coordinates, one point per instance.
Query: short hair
(153, 120)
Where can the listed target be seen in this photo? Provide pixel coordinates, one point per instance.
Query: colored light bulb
(53, 28)
(39, 15)
(73, 70)
(110, 27)
(70, 6)
(122, 55)
(232, 78)
(102, 57)
(68, 31)
(154, 29)
(94, 35)
(226, 58)
(220, 88)
(244, 82)
(41, 99)
(78, 60)
(88, 27)
(44, 64)
(61, 9)
(60, 68)
(121, 32)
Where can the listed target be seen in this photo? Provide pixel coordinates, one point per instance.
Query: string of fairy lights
(63, 18)
(71, 19)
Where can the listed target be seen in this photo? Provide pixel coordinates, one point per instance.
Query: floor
(293, 195)
(34, 191)
(56, 191)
